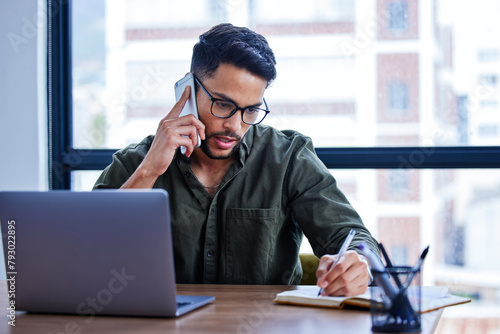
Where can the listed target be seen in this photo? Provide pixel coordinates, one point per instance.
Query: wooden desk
(237, 309)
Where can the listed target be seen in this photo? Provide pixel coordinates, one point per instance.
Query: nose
(233, 123)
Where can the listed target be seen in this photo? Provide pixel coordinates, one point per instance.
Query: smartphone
(190, 107)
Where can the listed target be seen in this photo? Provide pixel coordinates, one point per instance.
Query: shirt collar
(247, 144)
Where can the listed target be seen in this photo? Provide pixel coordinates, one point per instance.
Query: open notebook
(433, 298)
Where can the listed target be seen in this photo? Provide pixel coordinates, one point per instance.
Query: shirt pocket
(250, 240)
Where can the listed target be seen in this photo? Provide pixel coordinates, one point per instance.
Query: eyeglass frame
(214, 99)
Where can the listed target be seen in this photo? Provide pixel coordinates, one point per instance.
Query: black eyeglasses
(225, 109)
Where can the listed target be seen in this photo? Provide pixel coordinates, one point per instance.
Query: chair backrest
(309, 264)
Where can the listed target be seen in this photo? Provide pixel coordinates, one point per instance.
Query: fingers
(183, 131)
(172, 133)
(347, 277)
(324, 266)
(187, 120)
(179, 105)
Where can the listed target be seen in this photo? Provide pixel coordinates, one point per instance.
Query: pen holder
(395, 305)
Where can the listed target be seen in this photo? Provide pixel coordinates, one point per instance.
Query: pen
(344, 247)
(417, 267)
(382, 277)
(389, 263)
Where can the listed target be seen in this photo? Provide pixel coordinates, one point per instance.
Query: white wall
(23, 126)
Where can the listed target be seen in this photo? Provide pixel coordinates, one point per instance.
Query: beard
(209, 153)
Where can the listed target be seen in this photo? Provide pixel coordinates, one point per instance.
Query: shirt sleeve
(113, 176)
(124, 164)
(319, 207)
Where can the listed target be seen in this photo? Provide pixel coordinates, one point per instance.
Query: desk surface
(238, 309)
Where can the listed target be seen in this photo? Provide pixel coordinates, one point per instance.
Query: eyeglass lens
(224, 109)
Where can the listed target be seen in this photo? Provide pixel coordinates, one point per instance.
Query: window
(398, 16)
(399, 181)
(297, 11)
(398, 87)
(398, 185)
(398, 97)
(488, 79)
(403, 132)
(399, 20)
(488, 55)
(399, 256)
(488, 104)
(488, 130)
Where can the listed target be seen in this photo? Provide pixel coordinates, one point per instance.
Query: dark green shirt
(250, 232)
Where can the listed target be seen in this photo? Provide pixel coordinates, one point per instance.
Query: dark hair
(242, 47)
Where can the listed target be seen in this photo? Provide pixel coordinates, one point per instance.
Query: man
(241, 202)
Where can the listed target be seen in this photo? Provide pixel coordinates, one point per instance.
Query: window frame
(64, 158)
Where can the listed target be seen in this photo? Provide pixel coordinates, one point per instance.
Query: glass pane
(84, 180)
(350, 73)
(127, 56)
(297, 11)
(456, 213)
(89, 74)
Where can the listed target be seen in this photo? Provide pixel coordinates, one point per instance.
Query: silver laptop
(92, 253)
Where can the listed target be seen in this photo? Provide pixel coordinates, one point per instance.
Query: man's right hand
(173, 132)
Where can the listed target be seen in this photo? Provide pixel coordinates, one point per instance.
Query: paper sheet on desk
(436, 297)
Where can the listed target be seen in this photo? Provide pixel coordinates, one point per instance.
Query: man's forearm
(140, 179)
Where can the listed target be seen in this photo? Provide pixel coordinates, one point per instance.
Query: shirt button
(212, 211)
(187, 175)
(210, 253)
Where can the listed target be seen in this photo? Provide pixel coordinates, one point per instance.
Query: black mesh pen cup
(395, 305)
